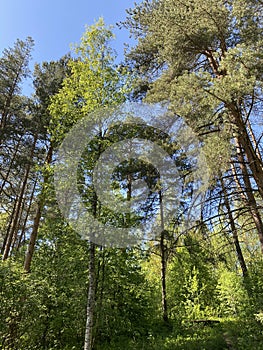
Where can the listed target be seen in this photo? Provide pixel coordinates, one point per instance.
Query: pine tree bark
(18, 225)
(16, 216)
(14, 219)
(6, 176)
(254, 141)
(23, 229)
(251, 201)
(243, 140)
(234, 231)
(32, 240)
(9, 226)
(37, 218)
(252, 154)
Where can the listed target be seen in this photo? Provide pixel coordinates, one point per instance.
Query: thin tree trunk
(37, 218)
(9, 226)
(18, 225)
(10, 165)
(19, 204)
(14, 219)
(33, 238)
(234, 231)
(23, 229)
(88, 343)
(249, 193)
(253, 155)
(89, 330)
(163, 263)
(253, 138)
(99, 290)
(9, 98)
(244, 141)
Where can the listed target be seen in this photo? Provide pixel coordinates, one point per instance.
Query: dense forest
(192, 279)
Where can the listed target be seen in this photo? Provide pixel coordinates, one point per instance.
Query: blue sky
(54, 25)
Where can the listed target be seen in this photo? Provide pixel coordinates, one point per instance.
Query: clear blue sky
(55, 24)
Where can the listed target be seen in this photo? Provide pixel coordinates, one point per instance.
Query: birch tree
(94, 82)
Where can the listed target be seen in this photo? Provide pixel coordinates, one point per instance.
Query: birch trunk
(163, 263)
(88, 343)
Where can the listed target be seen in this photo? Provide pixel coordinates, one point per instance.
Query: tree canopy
(197, 284)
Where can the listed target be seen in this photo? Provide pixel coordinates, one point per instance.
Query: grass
(228, 334)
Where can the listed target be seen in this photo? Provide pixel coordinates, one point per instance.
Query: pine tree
(205, 59)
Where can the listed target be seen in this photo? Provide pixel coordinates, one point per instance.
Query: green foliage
(46, 308)
(124, 306)
(192, 282)
(14, 69)
(201, 57)
(254, 285)
(94, 82)
(231, 294)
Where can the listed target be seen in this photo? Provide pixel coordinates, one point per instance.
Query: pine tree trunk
(37, 218)
(253, 155)
(254, 141)
(234, 231)
(23, 229)
(251, 201)
(5, 179)
(33, 238)
(9, 227)
(18, 225)
(15, 218)
(243, 140)
(8, 101)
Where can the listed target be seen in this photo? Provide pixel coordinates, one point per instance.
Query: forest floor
(225, 335)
